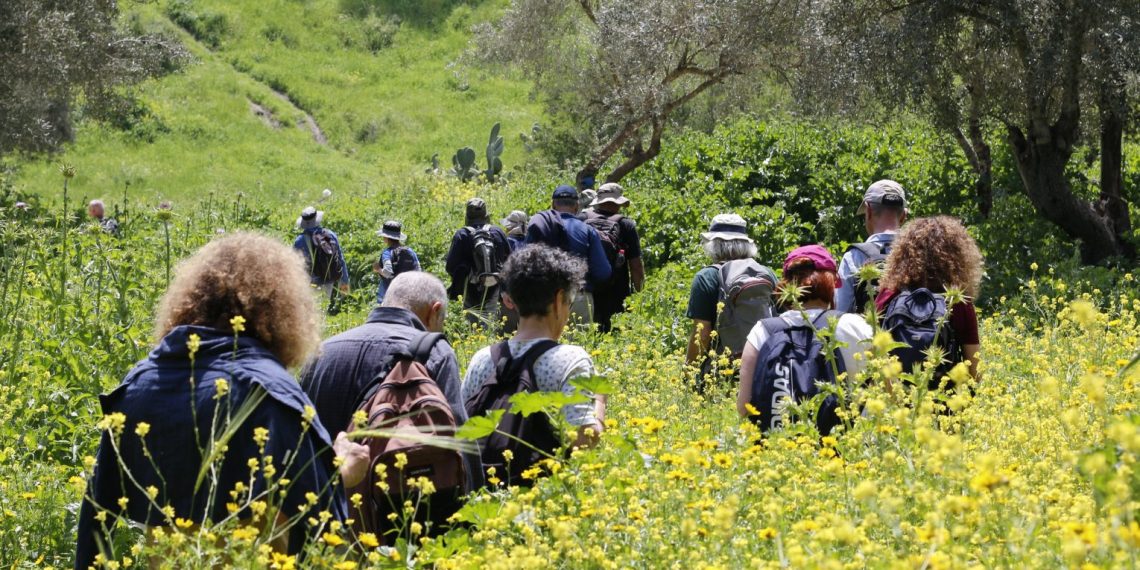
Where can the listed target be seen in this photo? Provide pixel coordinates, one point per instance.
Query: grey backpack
(746, 291)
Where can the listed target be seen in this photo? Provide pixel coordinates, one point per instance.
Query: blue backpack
(790, 364)
(912, 317)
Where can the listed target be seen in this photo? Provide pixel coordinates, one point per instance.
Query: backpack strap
(507, 366)
(869, 249)
(420, 347)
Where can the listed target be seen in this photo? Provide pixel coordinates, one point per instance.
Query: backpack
(609, 230)
(485, 272)
(746, 291)
(512, 376)
(408, 399)
(327, 264)
(912, 317)
(403, 260)
(789, 366)
(866, 291)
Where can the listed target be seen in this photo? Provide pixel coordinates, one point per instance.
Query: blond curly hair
(935, 253)
(253, 276)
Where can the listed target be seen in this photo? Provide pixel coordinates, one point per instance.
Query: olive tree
(1047, 76)
(619, 70)
(52, 51)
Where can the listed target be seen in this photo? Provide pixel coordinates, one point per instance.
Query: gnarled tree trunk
(1041, 157)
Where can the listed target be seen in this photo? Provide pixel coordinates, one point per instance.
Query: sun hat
(727, 227)
(886, 192)
(611, 192)
(565, 191)
(819, 256)
(516, 222)
(586, 198)
(476, 212)
(310, 218)
(392, 230)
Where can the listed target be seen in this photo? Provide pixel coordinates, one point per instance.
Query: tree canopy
(619, 70)
(53, 51)
(1045, 75)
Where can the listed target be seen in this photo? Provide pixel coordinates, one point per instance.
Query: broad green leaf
(595, 384)
(527, 403)
(480, 426)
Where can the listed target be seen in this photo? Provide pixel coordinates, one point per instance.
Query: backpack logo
(789, 368)
(746, 291)
(327, 265)
(409, 401)
(485, 273)
(918, 319)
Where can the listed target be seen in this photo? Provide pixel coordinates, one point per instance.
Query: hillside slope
(286, 98)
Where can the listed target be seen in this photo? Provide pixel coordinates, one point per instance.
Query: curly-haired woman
(938, 254)
(211, 424)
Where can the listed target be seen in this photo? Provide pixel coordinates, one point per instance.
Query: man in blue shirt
(310, 243)
(884, 211)
(560, 227)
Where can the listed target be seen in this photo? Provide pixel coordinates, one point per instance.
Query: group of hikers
(240, 312)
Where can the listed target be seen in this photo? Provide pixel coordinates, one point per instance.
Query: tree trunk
(984, 187)
(1041, 163)
(639, 155)
(1112, 203)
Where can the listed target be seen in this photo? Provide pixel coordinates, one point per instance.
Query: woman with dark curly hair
(211, 424)
(938, 254)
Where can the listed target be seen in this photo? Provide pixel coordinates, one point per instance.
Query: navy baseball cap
(565, 191)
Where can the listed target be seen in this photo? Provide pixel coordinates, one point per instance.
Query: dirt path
(307, 122)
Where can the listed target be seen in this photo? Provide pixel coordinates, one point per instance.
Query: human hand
(354, 459)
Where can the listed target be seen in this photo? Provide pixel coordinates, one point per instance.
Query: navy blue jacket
(177, 397)
(572, 235)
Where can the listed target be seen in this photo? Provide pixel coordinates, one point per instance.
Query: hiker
(735, 279)
(540, 282)
(478, 251)
(783, 358)
(931, 255)
(396, 258)
(515, 224)
(236, 316)
(405, 326)
(884, 211)
(97, 211)
(623, 250)
(323, 256)
(559, 227)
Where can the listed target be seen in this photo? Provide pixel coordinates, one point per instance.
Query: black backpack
(514, 375)
(327, 265)
(788, 368)
(912, 317)
(609, 230)
(403, 261)
(865, 291)
(485, 271)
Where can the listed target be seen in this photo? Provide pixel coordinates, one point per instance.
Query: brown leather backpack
(407, 399)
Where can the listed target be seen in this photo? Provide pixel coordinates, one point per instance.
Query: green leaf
(595, 384)
(527, 403)
(477, 511)
(480, 426)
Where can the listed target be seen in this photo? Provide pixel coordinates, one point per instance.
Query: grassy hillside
(374, 77)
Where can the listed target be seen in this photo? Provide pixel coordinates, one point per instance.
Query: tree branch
(589, 10)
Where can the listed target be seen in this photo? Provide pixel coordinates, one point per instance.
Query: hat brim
(316, 221)
(397, 237)
(620, 201)
(726, 236)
